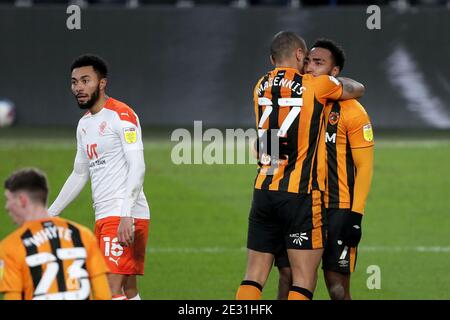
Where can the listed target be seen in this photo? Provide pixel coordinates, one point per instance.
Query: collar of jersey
(94, 115)
(39, 220)
(101, 110)
(286, 68)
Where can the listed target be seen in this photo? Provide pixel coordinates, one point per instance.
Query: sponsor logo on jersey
(130, 135)
(91, 151)
(331, 138)
(368, 133)
(334, 118)
(97, 164)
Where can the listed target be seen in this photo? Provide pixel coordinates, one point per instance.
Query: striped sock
(249, 290)
(299, 293)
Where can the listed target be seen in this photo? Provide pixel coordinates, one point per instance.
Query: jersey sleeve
(129, 130)
(359, 131)
(95, 263)
(327, 87)
(10, 271)
(80, 156)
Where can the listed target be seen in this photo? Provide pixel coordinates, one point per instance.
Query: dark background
(176, 65)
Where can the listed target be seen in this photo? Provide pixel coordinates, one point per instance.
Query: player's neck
(36, 212)
(287, 64)
(100, 104)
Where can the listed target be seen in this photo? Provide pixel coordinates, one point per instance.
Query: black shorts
(281, 260)
(281, 220)
(337, 257)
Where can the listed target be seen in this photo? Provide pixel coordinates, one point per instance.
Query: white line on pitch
(51, 144)
(411, 143)
(432, 249)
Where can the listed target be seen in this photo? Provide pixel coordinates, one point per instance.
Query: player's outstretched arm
(330, 88)
(135, 181)
(351, 89)
(72, 188)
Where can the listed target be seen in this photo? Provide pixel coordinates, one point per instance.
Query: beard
(92, 101)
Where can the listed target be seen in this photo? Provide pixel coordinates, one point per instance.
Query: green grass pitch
(199, 217)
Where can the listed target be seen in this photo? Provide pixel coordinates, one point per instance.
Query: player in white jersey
(110, 152)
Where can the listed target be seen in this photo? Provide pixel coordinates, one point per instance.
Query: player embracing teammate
(287, 212)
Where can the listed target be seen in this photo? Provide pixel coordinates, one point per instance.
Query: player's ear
(23, 200)
(300, 55)
(103, 83)
(335, 71)
(272, 60)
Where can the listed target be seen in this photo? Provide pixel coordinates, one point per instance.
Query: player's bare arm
(351, 89)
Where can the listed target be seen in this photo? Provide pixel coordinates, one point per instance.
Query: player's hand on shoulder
(351, 229)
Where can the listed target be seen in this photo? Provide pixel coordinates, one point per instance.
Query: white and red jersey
(102, 140)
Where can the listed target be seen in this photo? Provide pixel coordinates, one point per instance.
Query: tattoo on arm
(348, 87)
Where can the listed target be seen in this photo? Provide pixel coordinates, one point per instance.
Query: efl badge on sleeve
(333, 118)
(130, 135)
(336, 81)
(368, 133)
(2, 267)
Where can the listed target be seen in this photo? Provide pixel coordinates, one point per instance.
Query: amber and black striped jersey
(347, 127)
(289, 119)
(50, 259)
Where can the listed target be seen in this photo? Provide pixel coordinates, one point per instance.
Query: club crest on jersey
(368, 133)
(334, 118)
(102, 128)
(130, 135)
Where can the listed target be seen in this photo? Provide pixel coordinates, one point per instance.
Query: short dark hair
(100, 66)
(30, 180)
(336, 50)
(284, 42)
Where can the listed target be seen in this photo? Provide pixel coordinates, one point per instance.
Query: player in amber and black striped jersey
(350, 152)
(47, 258)
(349, 145)
(287, 208)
